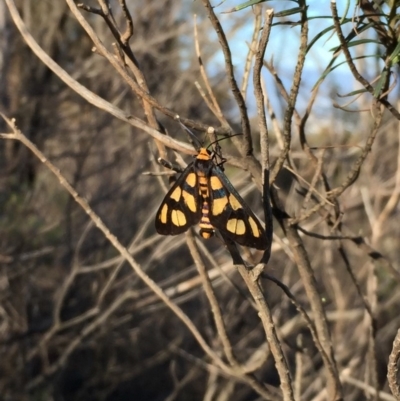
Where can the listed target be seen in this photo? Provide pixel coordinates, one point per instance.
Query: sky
(283, 47)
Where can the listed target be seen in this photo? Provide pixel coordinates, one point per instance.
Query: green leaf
(324, 31)
(291, 11)
(394, 57)
(329, 69)
(358, 42)
(317, 37)
(381, 82)
(353, 93)
(346, 10)
(249, 4)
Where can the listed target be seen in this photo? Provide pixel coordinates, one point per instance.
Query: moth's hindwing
(230, 214)
(181, 207)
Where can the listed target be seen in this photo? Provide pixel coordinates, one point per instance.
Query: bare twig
(353, 173)
(210, 99)
(17, 135)
(310, 285)
(393, 368)
(252, 48)
(87, 94)
(129, 23)
(370, 391)
(258, 92)
(262, 124)
(216, 311)
(290, 109)
(353, 69)
(270, 331)
(391, 203)
(248, 146)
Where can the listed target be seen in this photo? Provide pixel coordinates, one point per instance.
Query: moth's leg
(169, 165)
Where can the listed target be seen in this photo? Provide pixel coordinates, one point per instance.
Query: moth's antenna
(192, 137)
(221, 139)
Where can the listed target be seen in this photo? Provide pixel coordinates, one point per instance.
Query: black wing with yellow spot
(202, 194)
(230, 214)
(180, 208)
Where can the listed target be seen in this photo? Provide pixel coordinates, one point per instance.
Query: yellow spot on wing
(191, 179)
(254, 227)
(240, 227)
(234, 203)
(163, 214)
(176, 194)
(236, 226)
(218, 205)
(178, 218)
(216, 183)
(231, 225)
(189, 200)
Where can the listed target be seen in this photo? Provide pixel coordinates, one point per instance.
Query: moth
(203, 194)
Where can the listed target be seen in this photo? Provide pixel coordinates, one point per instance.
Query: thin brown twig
(235, 372)
(126, 56)
(310, 188)
(368, 390)
(302, 311)
(352, 175)
(353, 68)
(314, 181)
(129, 23)
(375, 256)
(290, 109)
(253, 44)
(310, 285)
(98, 101)
(277, 129)
(317, 162)
(270, 331)
(272, 115)
(298, 379)
(265, 390)
(393, 368)
(355, 170)
(58, 324)
(263, 128)
(62, 292)
(90, 9)
(210, 100)
(17, 135)
(77, 341)
(91, 97)
(250, 278)
(206, 99)
(392, 202)
(247, 141)
(258, 92)
(372, 357)
(209, 291)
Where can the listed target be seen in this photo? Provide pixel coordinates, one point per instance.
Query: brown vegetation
(95, 305)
